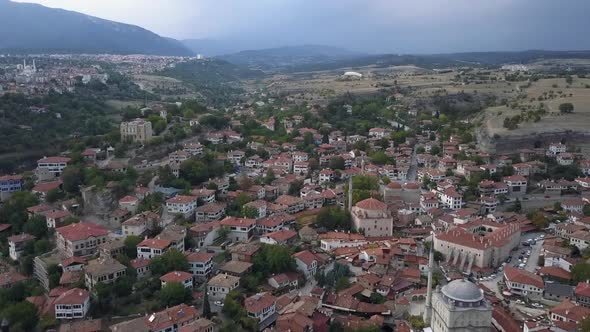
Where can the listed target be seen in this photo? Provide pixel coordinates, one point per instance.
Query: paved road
(531, 264)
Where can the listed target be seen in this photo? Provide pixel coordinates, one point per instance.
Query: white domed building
(372, 218)
(460, 306)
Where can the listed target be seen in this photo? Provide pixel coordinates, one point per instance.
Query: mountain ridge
(27, 27)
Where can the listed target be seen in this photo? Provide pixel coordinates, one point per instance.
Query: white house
(523, 283)
(72, 304)
(17, 244)
(220, 285)
(261, 307)
(150, 248)
(200, 264)
(451, 199)
(307, 263)
(181, 204)
(181, 277)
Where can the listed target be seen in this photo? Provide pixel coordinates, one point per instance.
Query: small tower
(428, 305)
(350, 194)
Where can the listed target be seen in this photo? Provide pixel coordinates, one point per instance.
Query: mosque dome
(462, 290)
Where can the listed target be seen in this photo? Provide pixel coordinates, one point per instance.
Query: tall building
(478, 245)
(371, 216)
(460, 306)
(138, 130)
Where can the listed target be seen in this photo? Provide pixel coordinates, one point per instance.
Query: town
(151, 185)
(289, 223)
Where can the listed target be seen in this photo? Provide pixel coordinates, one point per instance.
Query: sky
(371, 26)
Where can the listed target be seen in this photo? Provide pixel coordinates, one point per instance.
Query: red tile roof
(281, 235)
(571, 311)
(583, 289)
(10, 278)
(21, 238)
(371, 204)
(523, 277)
(257, 303)
(306, 257)
(181, 199)
(155, 243)
(73, 296)
(128, 199)
(10, 177)
(238, 222)
(555, 271)
(139, 263)
(82, 231)
(199, 256)
(176, 276)
(54, 160)
(44, 187)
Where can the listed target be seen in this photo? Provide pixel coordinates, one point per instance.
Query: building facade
(138, 130)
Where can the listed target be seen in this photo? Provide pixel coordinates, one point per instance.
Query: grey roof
(462, 290)
(558, 289)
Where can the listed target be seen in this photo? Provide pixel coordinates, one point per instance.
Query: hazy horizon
(378, 26)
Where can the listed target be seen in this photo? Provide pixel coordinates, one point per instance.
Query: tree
(332, 278)
(337, 163)
(270, 176)
(566, 108)
(72, 178)
(54, 195)
(54, 273)
(417, 322)
(295, 187)
(171, 260)
(342, 284)
(438, 256)
(151, 202)
(380, 158)
(581, 272)
(377, 298)
(123, 287)
(131, 243)
(249, 212)
(273, 259)
(538, 219)
(587, 210)
(585, 325)
(334, 218)
(22, 316)
(517, 207)
(36, 226)
(174, 293)
(206, 304)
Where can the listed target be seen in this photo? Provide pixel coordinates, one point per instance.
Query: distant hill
(283, 57)
(211, 47)
(30, 28)
(432, 61)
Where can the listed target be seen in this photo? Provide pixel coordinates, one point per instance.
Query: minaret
(428, 304)
(350, 194)
(34, 66)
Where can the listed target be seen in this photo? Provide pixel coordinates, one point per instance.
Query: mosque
(458, 306)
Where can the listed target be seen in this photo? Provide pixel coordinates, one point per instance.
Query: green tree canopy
(334, 218)
(273, 259)
(174, 293)
(171, 260)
